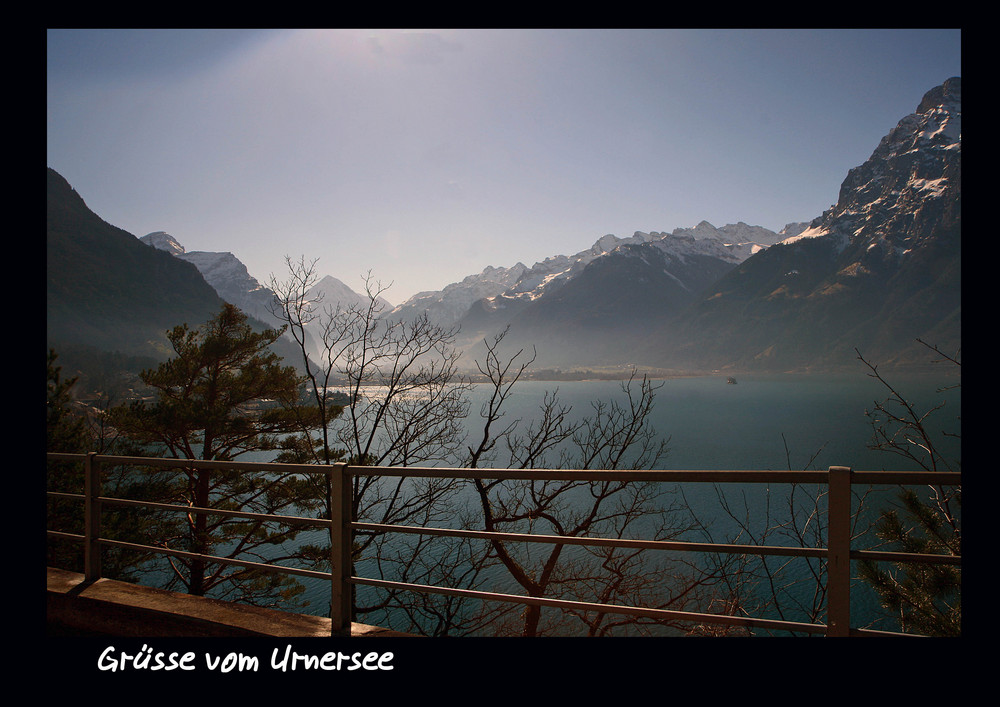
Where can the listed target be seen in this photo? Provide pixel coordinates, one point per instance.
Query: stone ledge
(111, 608)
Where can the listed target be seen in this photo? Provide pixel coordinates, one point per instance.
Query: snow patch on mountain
(807, 233)
(732, 243)
(161, 240)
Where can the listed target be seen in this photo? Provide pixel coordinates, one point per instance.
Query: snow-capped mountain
(511, 289)
(589, 312)
(230, 278)
(914, 169)
(879, 270)
(226, 274)
(332, 293)
(876, 272)
(449, 305)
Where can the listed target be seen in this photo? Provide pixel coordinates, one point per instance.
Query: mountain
(447, 306)
(230, 278)
(330, 292)
(877, 271)
(509, 288)
(111, 296)
(106, 289)
(521, 283)
(328, 295)
(609, 298)
(227, 276)
(512, 289)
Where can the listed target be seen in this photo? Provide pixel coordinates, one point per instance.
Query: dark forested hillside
(106, 289)
(110, 297)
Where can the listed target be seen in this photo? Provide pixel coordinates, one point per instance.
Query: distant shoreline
(943, 369)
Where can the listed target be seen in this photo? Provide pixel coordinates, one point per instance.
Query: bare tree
(407, 404)
(789, 515)
(796, 516)
(405, 401)
(616, 435)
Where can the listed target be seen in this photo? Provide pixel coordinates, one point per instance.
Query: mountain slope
(108, 293)
(879, 270)
(875, 272)
(515, 286)
(227, 275)
(598, 309)
(230, 278)
(106, 289)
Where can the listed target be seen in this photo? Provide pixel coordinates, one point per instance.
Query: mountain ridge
(877, 270)
(225, 273)
(515, 287)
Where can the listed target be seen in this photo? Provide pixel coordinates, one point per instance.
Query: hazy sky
(424, 156)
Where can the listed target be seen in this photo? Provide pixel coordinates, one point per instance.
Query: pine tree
(222, 395)
(65, 432)
(70, 430)
(926, 598)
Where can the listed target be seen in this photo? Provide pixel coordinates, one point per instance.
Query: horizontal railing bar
(296, 520)
(281, 569)
(889, 478)
(662, 614)
(889, 556)
(202, 463)
(870, 632)
(676, 475)
(906, 478)
(597, 542)
(64, 535)
(511, 598)
(66, 495)
(886, 556)
(768, 550)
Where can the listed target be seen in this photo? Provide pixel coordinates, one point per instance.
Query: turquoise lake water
(761, 422)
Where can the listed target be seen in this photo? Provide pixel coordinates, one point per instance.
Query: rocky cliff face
(874, 273)
(913, 179)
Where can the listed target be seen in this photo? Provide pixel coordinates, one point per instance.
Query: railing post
(341, 541)
(92, 517)
(838, 568)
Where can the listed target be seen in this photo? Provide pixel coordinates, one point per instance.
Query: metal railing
(838, 554)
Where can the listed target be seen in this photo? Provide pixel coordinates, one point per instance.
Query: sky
(419, 157)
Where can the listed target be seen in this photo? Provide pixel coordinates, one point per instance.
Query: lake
(764, 422)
